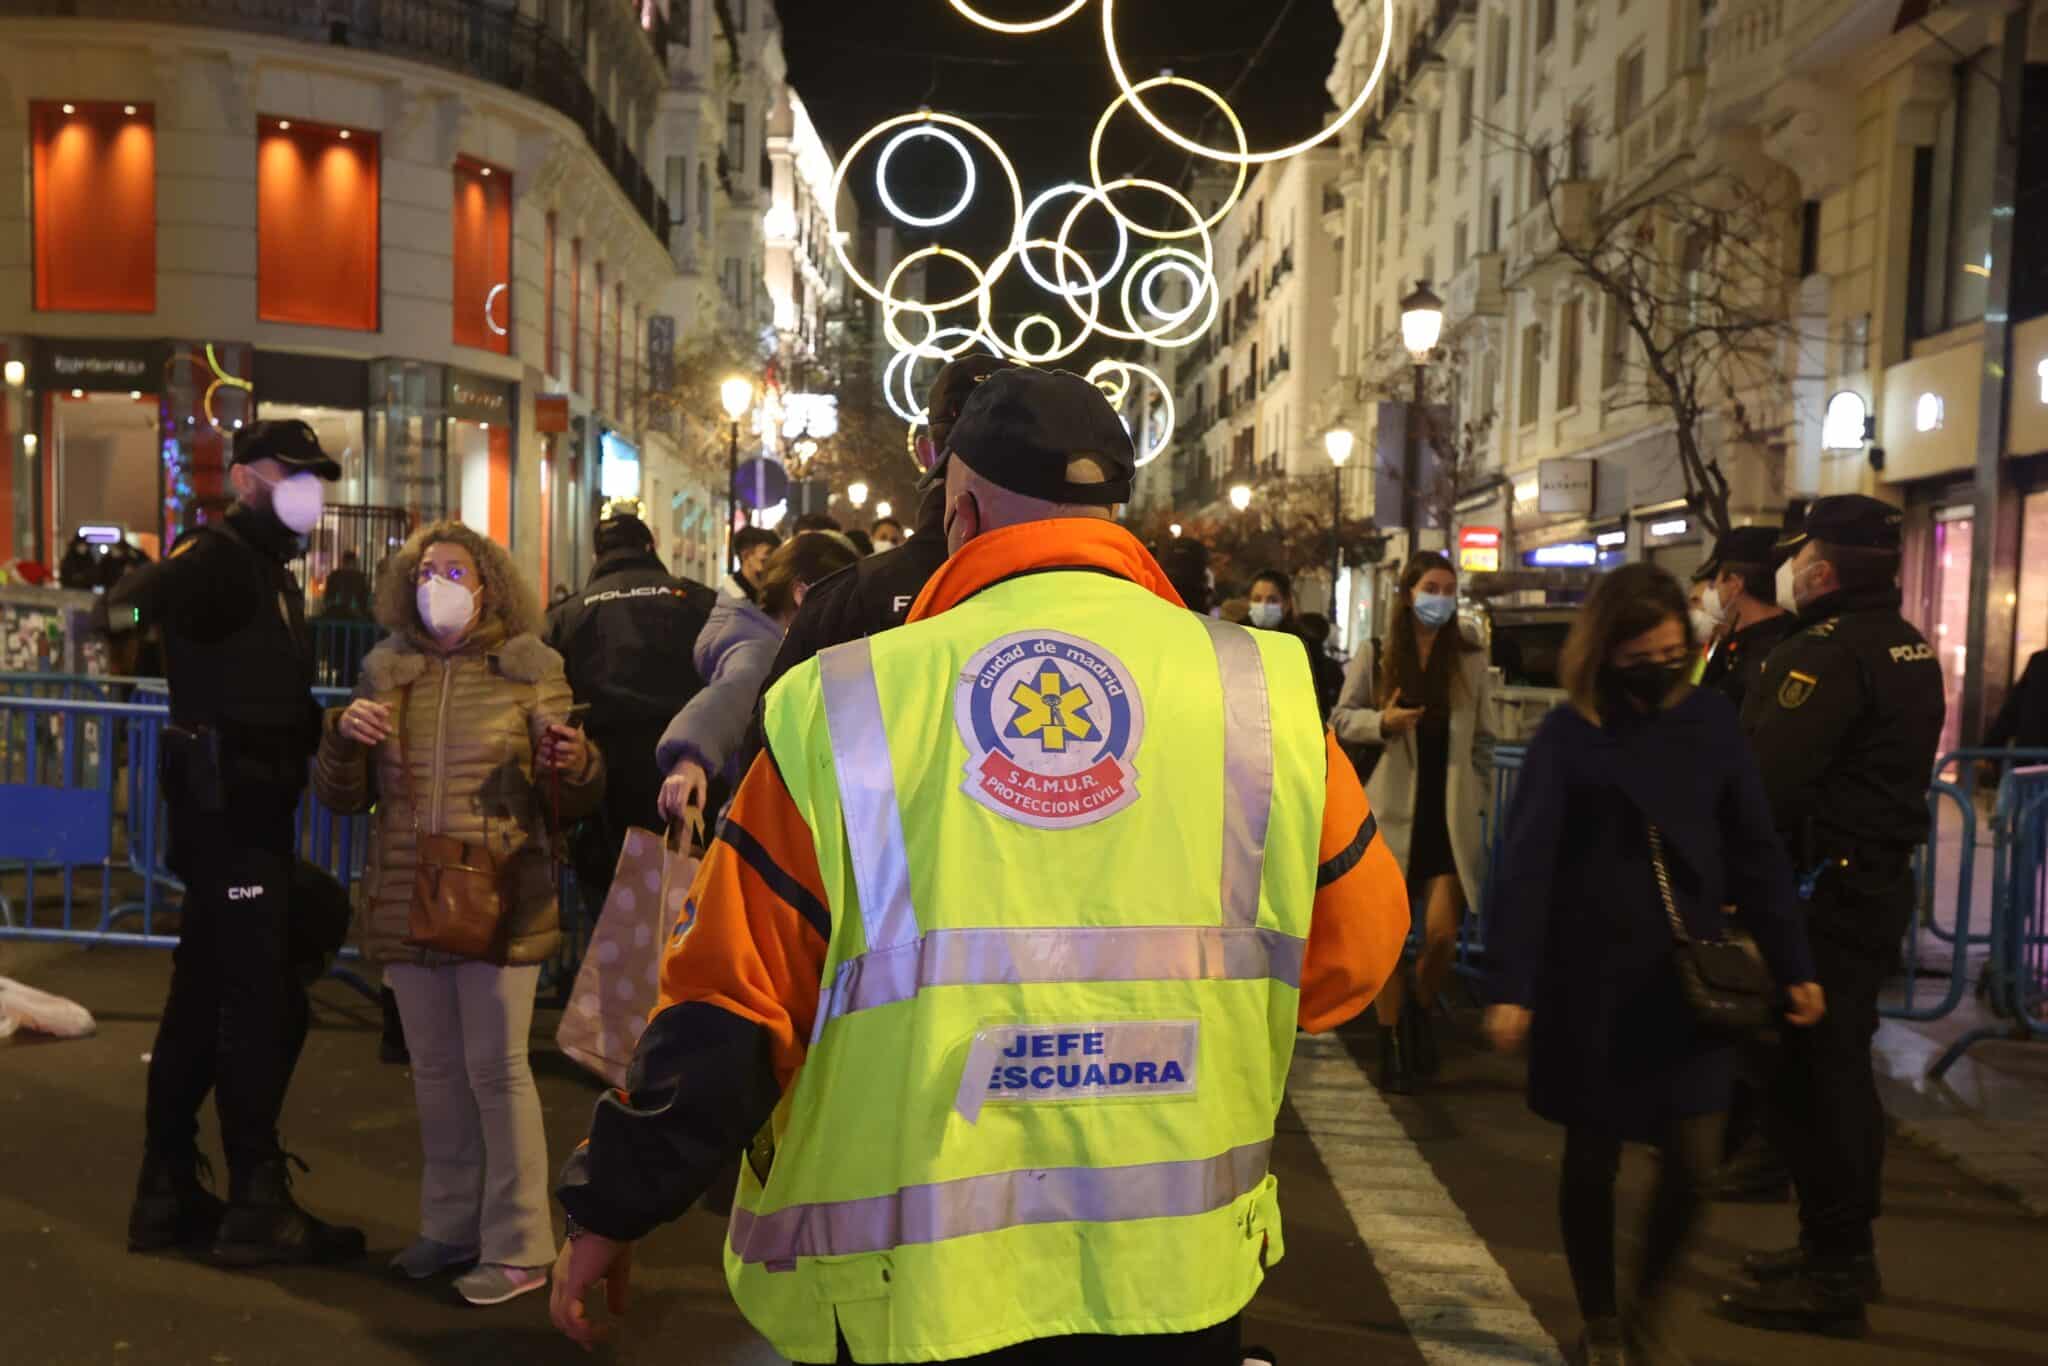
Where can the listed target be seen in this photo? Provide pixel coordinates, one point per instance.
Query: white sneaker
(495, 1283)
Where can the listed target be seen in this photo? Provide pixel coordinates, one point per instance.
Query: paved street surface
(1417, 1230)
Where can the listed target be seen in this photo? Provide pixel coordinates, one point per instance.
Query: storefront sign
(1479, 550)
(1565, 487)
(551, 414)
(477, 398)
(102, 366)
(312, 381)
(1563, 555)
(1677, 526)
(1607, 540)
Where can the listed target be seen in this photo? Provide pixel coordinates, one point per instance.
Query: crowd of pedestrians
(1739, 766)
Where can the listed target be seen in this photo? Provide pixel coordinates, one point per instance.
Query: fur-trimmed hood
(399, 660)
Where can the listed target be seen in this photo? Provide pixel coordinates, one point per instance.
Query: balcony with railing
(1660, 134)
(1534, 240)
(472, 38)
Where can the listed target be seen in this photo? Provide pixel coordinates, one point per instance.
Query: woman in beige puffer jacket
(456, 729)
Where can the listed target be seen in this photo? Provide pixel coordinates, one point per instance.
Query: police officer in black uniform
(1844, 727)
(243, 727)
(628, 641)
(1743, 596)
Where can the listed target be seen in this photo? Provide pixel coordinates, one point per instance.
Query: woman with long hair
(1426, 698)
(460, 728)
(1640, 769)
(734, 652)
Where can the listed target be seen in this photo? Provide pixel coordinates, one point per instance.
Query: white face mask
(1786, 596)
(1711, 604)
(1267, 615)
(296, 500)
(883, 547)
(446, 609)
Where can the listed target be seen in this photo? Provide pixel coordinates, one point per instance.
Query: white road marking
(1458, 1303)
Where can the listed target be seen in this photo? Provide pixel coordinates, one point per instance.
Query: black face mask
(1648, 683)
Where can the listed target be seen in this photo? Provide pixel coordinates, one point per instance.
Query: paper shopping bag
(619, 981)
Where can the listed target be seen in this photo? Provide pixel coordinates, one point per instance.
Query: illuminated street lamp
(1175, 529)
(1240, 496)
(16, 373)
(884, 509)
(857, 494)
(1337, 444)
(736, 395)
(1422, 326)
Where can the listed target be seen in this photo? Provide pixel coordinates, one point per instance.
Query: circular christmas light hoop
(891, 305)
(1187, 144)
(1123, 241)
(1229, 201)
(1205, 264)
(922, 116)
(1197, 282)
(912, 134)
(1073, 8)
(1061, 348)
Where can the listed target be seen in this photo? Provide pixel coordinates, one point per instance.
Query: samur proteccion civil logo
(1051, 722)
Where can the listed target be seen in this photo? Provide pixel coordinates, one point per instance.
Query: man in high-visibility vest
(997, 960)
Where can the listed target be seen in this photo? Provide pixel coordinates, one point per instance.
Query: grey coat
(1391, 790)
(734, 652)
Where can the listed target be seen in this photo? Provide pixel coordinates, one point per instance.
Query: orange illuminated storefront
(317, 228)
(93, 172)
(480, 446)
(483, 256)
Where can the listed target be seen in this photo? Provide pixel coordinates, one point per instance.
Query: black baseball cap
(1850, 520)
(289, 442)
(1019, 428)
(1743, 545)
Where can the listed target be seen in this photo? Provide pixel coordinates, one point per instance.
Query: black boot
(1397, 1068)
(1824, 1296)
(1766, 1268)
(264, 1225)
(391, 1048)
(173, 1207)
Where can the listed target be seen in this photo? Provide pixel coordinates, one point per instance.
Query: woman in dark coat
(1582, 948)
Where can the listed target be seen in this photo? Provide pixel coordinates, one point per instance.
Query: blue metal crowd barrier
(1507, 773)
(84, 825)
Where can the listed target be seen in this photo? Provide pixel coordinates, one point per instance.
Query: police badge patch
(1796, 688)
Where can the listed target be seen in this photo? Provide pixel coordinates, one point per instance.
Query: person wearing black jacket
(1742, 597)
(875, 593)
(627, 640)
(239, 660)
(1844, 728)
(2023, 720)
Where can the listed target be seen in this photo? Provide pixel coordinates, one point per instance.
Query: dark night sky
(856, 62)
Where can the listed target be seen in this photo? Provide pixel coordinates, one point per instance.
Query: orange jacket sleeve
(753, 940)
(1360, 921)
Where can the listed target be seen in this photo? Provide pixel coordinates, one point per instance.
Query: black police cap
(1020, 428)
(622, 531)
(1743, 545)
(1849, 520)
(289, 442)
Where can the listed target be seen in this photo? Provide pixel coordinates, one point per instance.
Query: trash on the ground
(26, 1008)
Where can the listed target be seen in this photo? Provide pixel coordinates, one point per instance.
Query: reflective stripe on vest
(1000, 1200)
(899, 962)
(1009, 957)
(1247, 769)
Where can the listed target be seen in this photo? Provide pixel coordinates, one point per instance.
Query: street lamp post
(1337, 444)
(1422, 323)
(857, 494)
(1240, 496)
(736, 395)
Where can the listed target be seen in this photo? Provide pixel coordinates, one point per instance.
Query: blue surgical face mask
(1435, 609)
